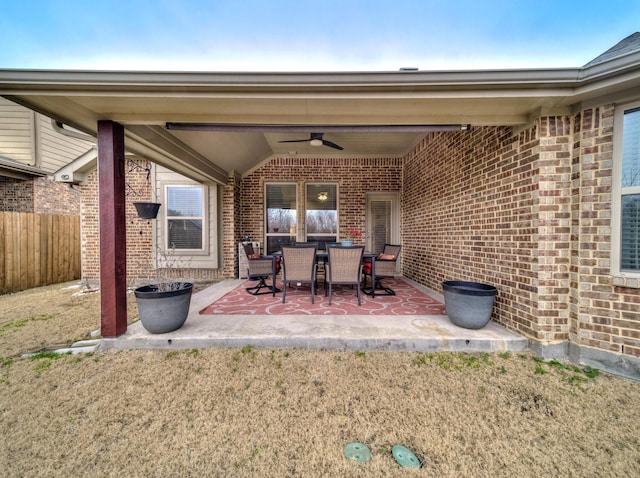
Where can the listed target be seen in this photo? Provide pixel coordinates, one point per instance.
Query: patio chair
(261, 268)
(299, 267)
(344, 267)
(383, 266)
(320, 272)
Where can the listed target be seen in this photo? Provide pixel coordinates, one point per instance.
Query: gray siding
(29, 138)
(57, 150)
(16, 126)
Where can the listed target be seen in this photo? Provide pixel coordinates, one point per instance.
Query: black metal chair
(383, 266)
(261, 268)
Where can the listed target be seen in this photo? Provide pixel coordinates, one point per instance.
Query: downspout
(35, 140)
(59, 128)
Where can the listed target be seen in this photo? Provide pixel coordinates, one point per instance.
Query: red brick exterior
(38, 195)
(354, 176)
(231, 225)
(531, 214)
(526, 210)
(140, 249)
(16, 195)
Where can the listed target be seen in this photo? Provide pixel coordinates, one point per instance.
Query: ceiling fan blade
(331, 145)
(294, 141)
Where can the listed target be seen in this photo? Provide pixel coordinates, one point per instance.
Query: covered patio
(502, 177)
(419, 333)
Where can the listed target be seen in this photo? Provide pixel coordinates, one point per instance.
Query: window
(322, 213)
(185, 217)
(626, 187)
(281, 216)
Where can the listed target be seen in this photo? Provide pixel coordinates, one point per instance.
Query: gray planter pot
(163, 311)
(469, 304)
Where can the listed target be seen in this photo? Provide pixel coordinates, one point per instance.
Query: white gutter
(59, 128)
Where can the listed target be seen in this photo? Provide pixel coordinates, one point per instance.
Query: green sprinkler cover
(357, 452)
(405, 457)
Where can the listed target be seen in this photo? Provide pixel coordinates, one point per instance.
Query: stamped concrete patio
(425, 333)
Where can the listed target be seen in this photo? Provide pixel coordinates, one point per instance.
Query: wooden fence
(38, 250)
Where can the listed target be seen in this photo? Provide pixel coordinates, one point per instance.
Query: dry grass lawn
(249, 412)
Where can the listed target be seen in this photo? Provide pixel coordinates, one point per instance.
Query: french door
(382, 221)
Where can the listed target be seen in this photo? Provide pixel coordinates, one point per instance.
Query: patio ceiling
(240, 104)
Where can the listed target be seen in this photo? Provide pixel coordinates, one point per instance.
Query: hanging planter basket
(147, 210)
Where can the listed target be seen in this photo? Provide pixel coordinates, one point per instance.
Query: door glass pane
(322, 213)
(380, 224)
(281, 217)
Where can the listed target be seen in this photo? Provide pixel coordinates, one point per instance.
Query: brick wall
(529, 212)
(38, 195)
(139, 231)
(605, 310)
(51, 197)
(16, 195)
(231, 225)
(90, 232)
(354, 176)
(140, 248)
(470, 213)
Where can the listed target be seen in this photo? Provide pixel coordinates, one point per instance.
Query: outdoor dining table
(323, 257)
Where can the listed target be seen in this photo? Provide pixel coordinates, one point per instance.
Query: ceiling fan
(315, 140)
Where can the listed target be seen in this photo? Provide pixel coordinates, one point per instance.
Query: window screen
(185, 217)
(630, 224)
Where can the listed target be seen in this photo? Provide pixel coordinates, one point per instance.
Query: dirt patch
(253, 412)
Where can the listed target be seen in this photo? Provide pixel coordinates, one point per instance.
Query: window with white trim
(185, 224)
(626, 191)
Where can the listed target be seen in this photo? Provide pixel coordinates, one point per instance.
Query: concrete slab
(355, 332)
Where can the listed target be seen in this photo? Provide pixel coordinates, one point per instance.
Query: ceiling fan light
(315, 142)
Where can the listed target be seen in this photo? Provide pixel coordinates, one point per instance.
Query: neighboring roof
(15, 169)
(630, 44)
(298, 104)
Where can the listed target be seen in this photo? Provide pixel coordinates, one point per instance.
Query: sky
(309, 35)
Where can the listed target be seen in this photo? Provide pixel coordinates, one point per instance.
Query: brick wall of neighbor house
(16, 195)
(38, 195)
(354, 176)
(51, 197)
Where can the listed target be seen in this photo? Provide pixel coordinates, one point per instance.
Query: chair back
(392, 250)
(385, 266)
(299, 262)
(248, 250)
(345, 264)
